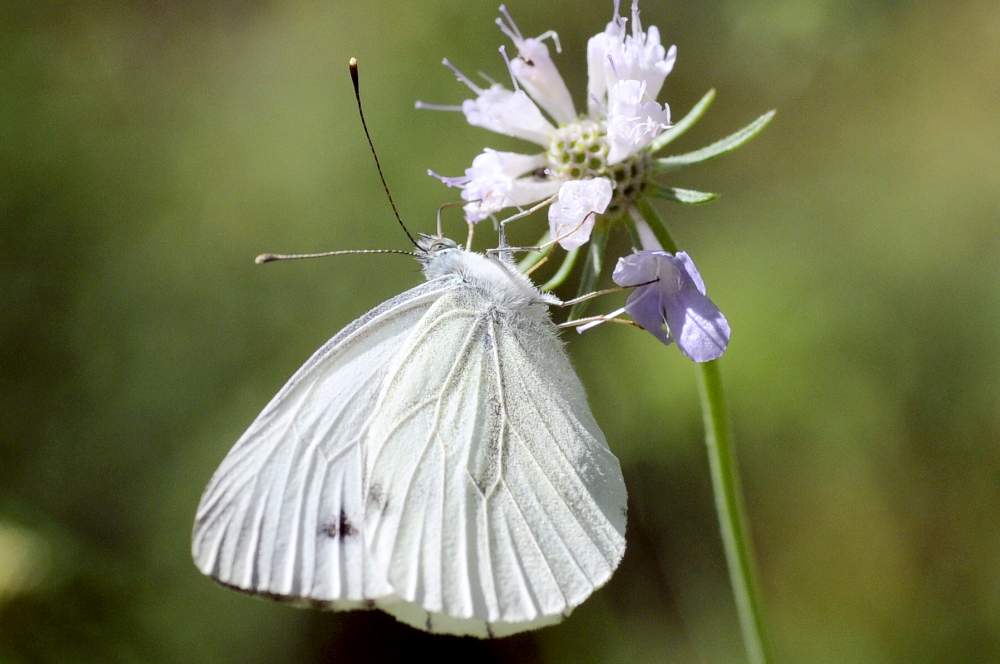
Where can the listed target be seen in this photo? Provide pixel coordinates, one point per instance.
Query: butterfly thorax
(497, 279)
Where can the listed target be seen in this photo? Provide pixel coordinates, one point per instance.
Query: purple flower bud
(672, 304)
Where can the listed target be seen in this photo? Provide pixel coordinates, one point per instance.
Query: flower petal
(691, 270)
(647, 238)
(645, 308)
(517, 192)
(634, 120)
(635, 269)
(697, 325)
(492, 183)
(598, 48)
(511, 113)
(640, 56)
(572, 216)
(511, 164)
(526, 191)
(534, 69)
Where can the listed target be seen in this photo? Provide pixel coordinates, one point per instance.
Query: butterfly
(436, 459)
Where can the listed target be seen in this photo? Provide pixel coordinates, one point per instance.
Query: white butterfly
(436, 459)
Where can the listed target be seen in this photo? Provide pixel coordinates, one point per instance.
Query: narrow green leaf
(684, 123)
(686, 196)
(562, 273)
(651, 217)
(593, 265)
(727, 144)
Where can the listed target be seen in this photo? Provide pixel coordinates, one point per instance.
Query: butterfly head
(434, 245)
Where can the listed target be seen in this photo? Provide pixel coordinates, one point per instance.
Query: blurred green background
(151, 149)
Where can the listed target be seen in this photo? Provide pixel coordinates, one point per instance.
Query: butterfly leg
(440, 228)
(584, 324)
(542, 261)
(590, 296)
(503, 236)
(599, 293)
(520, 215)
(468, 238)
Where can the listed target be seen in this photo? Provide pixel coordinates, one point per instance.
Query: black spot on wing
(347, 529)
(341, 527)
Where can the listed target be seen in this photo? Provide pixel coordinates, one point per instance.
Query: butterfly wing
(495, 504)
(283, 515)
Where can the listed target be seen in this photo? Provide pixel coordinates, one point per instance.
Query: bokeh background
(151, 149)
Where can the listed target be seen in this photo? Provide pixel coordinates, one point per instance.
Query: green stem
(732, 515)
(725, 487)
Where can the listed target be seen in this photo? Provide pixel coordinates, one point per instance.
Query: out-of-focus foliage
(150, 149)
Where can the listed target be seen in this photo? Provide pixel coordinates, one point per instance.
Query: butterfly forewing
(284, 514)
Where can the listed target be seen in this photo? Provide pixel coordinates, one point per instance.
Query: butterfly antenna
(352, 64)
(270, 258)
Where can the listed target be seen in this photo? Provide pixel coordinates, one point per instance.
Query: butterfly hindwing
(496, 505)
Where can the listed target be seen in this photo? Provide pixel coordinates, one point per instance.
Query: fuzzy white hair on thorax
(495, 277)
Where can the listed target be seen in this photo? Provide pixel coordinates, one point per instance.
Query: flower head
(598, 163)
(669, 301)
(626, 72)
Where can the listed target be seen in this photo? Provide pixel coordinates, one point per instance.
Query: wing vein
(434, 433)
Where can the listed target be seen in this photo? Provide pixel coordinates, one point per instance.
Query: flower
(500, 179)
(669, 301)
(584, 156)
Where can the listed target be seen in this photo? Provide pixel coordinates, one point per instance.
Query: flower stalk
(733, 525)
(726, 488)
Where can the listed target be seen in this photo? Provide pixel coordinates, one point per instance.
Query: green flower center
(580, 150)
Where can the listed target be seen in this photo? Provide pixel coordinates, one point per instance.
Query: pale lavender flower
(671, 302)
(606, 147)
